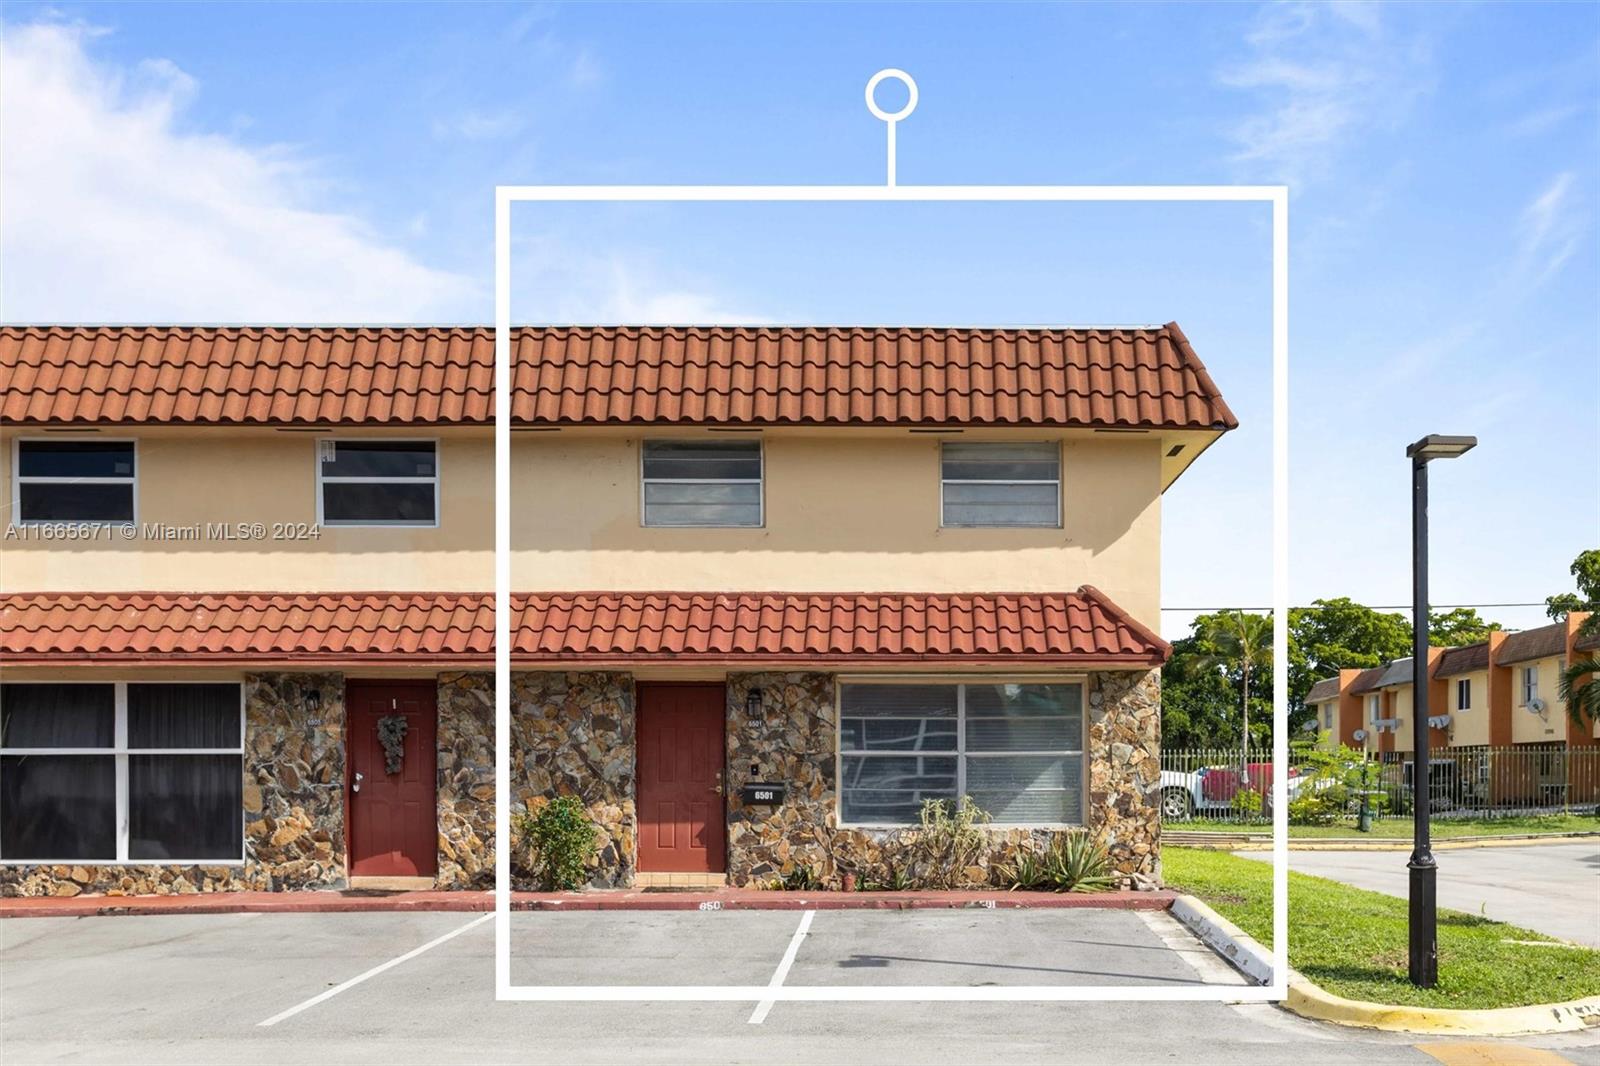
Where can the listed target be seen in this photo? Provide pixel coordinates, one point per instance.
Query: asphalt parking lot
(418, 987)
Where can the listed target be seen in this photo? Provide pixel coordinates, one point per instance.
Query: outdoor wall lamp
(754, 704)
(1423, 908)
(313, 702)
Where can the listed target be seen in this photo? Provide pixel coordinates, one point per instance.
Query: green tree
(1580, 681)
(1586, 572)
(1451, 629)
(1241, 644)
(1338, 634)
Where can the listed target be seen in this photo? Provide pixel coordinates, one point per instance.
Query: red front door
(681, 812)
(392, 821)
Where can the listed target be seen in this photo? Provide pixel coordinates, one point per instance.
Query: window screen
(1016, 749)
(1001, 484)
(378, 482)
(75, 481)
(702, 483)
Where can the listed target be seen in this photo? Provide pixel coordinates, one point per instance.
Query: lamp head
(1440, 446)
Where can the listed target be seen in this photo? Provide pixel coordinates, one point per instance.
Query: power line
(1374, 607)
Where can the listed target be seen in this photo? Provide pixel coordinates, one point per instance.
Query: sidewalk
(591, 900)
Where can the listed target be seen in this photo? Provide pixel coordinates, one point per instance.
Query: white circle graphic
(911, 98)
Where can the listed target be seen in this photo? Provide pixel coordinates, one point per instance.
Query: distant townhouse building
(775, 588)
(1500, 694)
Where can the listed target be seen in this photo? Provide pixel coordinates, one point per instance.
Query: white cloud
(478, 125)
(1322, 73)
(1549, 231)
(110, 212)
(555, 280)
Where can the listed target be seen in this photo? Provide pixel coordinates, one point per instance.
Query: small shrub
(1073, 862)
(1247, 802)
(559, 841)
(946, 843)
(801, 879)
(1316, 807)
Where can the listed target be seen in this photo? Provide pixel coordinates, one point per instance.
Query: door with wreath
(391, 818)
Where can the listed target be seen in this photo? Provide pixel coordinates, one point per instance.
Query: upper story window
(378, 483)
(1000, 484)
(74, 480)
(121, 772)
(1374, 707)
(1464, 694)
(702, 483)
(1530, 684)
(1327, 716)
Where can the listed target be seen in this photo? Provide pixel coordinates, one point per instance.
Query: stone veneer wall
(466, 781)
(293, 805)
(795, 743)
(573, 734)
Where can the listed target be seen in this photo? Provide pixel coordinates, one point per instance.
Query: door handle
(357, 786)
(717, 788)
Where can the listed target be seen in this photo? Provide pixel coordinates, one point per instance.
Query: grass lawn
(1353, 942)
(1400, 828)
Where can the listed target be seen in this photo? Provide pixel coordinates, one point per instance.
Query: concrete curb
(1256, 842)
(316, 902)
(1225, 938)
(1311, 1001)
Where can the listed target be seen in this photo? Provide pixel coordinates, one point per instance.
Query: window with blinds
(702, 483)
(1000, 485)
(1015, 748)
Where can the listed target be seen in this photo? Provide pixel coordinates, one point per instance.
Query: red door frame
(428, 690)
(640, 688)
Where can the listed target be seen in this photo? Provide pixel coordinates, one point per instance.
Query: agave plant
(1076, 862)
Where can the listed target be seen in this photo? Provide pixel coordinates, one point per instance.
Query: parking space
(419, 987)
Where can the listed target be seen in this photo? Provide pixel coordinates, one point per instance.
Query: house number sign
(757, 794)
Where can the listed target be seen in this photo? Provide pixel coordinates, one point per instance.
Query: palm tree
(1580, 687)
(1244, 641)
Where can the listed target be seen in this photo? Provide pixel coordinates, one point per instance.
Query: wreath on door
(392, 735)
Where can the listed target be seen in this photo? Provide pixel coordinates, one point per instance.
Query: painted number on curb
(711, 905)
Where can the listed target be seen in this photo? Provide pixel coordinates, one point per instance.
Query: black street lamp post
(1424, 928)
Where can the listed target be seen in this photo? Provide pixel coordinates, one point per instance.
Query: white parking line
(778, 975)
(375, 971)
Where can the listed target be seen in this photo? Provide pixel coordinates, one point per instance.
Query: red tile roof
(618, 375)
(589, 628)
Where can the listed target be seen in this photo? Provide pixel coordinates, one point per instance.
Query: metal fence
(1478, 782)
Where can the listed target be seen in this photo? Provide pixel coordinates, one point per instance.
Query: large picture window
(378, 483)
(121, 772)
(74, 481)
(1015, 747)
(1000, 484)
(702, 483)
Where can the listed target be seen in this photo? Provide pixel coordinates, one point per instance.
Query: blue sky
(336, 163)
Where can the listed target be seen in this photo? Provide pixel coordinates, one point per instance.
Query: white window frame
(120, 752)
(17, 480)
(1327, 715)
(1375, 708)
(438, 473)
(959, 752)
(1530, 684)
(943, 482)
(1463, 694)
(761, 482)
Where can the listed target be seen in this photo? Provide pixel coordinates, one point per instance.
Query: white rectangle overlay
(1275, 195)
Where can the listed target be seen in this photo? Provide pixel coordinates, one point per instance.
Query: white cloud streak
(1322, 74)
(111, 212)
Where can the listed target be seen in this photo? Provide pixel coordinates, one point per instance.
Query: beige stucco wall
(1470, 727)
(203, 476)
(844, 512)
(1402, 713)
(1529, 728)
